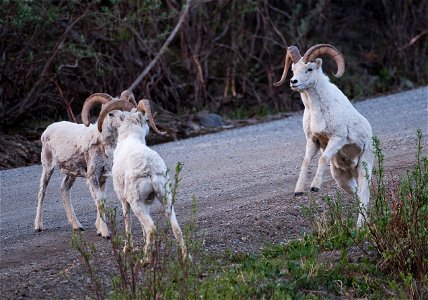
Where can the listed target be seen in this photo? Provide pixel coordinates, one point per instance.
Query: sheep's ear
(318, 62)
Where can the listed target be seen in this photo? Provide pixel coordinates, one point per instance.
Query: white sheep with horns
(331, 124)
(140, 174)
(80, 151)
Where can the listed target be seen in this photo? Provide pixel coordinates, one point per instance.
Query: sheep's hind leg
(344, 179)
(66, 185)
(44, 180)
(177, 232)
(364, 175)
(170, 214)
(141, 210)
(311, 150)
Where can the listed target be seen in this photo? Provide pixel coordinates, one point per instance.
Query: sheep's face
(305, 75)
(122, 120)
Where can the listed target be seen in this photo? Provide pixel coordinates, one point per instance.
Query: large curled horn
(326, 49)
(97, 98)
(144, 107)
(128, 95)
(292, 55)
(115, 105)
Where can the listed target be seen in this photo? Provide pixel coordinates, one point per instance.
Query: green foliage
(225, 51)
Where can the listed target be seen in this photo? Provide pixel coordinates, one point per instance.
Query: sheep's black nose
(293, 81)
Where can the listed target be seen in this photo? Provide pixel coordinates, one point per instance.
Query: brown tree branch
(162, 50)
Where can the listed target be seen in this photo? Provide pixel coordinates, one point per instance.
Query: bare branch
(162, 50)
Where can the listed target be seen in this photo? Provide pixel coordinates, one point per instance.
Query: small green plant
(165, 277)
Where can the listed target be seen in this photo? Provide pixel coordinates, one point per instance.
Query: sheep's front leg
(333, 146)
(98, 195)
(66, 185)
(311, 150)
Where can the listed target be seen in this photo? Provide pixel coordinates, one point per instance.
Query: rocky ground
(243, 180)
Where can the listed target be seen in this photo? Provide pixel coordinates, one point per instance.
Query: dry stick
(413, 40)
(164, 47)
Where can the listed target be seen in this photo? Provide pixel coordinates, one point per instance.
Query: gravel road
(243, 180)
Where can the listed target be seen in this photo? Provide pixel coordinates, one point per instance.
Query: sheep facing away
(331, 124)
(80, 151)
(140, 174)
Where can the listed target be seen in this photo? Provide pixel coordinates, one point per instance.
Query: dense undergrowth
(386, 258)
(227, 54)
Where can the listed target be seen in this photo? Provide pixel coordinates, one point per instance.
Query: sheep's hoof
(38, 230)
(297, 194)
(315, 189)
(78, 229)
(107, 237)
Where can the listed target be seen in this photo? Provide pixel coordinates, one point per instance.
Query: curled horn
(144, 107)
(128, 95)
(115, 105)
(329, 50)
(292, 55)
(97, 98)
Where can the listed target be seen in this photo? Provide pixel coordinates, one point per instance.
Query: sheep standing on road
(331, 124)
(80, 151)
(140, 174)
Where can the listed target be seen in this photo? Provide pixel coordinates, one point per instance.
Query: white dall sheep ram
(80, 151)
(331, 124)
(140, 174)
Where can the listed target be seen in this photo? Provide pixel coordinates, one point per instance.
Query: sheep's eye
(309, 70)
(110, 114)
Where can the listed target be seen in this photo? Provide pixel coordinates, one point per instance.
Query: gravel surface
(243, 180)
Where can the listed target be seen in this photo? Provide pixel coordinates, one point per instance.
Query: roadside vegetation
(386, 258)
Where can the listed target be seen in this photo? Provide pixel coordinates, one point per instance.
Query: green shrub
(398, 226)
